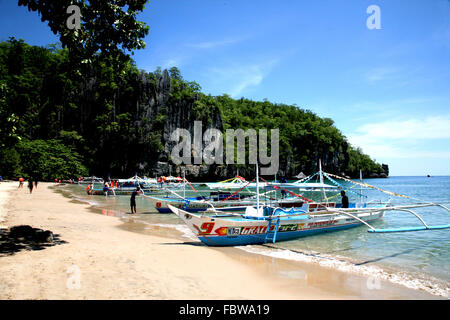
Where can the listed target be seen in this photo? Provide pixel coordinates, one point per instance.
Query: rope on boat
(341, 186)
(297, 195)
(388, 192)
(234, 193)
(369, 186)
(306, 179)
(186, 180)
(293, 193)
(338, 194)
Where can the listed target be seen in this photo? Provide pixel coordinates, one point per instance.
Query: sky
(386, 88)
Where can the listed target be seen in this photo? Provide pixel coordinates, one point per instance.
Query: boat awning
(307, 185)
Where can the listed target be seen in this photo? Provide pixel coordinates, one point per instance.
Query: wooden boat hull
(216, 231)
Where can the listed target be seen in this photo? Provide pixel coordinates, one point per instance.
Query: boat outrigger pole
(406, 208)
(401, 208)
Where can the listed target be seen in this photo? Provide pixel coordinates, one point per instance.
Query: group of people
(31, 183)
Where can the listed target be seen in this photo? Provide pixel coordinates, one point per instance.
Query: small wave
(185, 231)
(429, 285)
(84, 200)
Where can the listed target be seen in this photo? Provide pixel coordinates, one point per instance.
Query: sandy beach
(101, 257)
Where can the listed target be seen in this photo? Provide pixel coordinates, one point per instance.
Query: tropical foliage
(60, 125)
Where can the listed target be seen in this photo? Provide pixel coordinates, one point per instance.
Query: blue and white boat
(216, 201)
(261, 223)
(269, 224)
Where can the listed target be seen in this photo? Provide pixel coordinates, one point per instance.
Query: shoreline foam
(376, 273)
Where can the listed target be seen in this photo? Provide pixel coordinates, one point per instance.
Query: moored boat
(262, 223)
(270, 224)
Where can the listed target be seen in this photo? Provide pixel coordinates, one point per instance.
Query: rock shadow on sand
(25, 237)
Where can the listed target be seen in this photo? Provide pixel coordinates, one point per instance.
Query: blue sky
(388, 89)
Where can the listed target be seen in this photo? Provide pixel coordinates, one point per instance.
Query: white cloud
(214, 44)
(410, 138)
(394, 76)
(436, 127)
(172, 62)
(234, 79)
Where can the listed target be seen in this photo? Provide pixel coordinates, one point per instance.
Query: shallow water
(419, 260)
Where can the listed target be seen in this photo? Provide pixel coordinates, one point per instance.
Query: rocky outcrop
(158, 114)
(386, 170)
(158, 111)
(158, 107)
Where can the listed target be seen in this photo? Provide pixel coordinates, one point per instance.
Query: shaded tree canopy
(109, 28)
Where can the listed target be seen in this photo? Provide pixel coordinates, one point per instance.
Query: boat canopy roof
(304, 185)
(93, 178)
(138, 179)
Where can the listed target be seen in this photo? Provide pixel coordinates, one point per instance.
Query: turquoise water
(418, 260)
(423, 251)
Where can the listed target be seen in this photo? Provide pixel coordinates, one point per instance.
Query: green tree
(108, 27)
(49, 159)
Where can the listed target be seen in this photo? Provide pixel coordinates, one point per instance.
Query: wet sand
(106, 257)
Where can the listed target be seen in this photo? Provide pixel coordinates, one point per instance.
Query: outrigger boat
(237, 182)
(216, 201)
(123, 186)
(262, 224)
(221, 200)
(89, 180)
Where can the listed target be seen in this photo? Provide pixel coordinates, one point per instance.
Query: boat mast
(360, 187)
(257, 189)
(321, 181)
(184, 182)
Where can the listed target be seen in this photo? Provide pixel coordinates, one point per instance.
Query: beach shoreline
(104, 257)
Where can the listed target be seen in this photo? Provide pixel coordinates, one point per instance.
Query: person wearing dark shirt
(283, 192)
(30, 184)
(133, 200)
(106, 189)
(344, 200)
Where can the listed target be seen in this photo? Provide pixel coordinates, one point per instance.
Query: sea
(418, 260)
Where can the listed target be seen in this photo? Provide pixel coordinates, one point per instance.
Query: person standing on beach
(30, 184)
(283, 191)
(20, 182)
(344, 199)
(133, 200)
(106, 189)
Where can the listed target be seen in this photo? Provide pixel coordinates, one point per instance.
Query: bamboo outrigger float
(261, 223)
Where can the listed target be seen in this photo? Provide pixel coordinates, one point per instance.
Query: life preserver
(158, 204)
